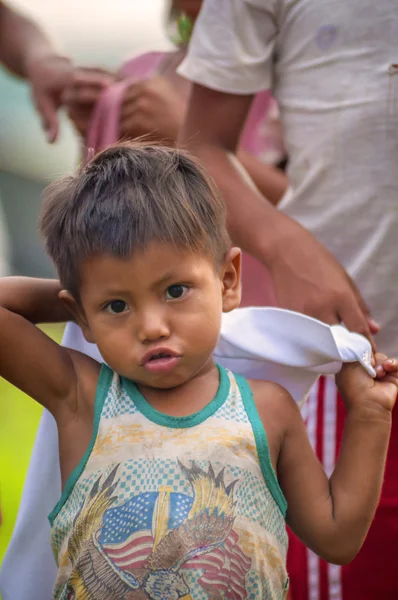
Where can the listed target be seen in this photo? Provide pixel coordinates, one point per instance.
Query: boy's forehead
(145, 266)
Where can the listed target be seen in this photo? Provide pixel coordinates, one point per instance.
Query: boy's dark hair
(125, 197)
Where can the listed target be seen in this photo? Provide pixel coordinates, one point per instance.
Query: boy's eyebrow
(168, 276)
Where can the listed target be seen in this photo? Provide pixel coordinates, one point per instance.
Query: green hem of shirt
(261, 440)
(104, 381)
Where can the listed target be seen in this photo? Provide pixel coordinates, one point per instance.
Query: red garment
(371, 575)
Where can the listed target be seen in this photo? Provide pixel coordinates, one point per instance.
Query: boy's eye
(116, 307)
(174, 292)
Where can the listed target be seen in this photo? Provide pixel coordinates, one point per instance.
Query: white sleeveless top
(165, 508)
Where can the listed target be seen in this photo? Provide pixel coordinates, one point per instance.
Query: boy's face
(156, 316)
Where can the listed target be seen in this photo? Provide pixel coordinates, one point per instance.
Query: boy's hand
(360, 390)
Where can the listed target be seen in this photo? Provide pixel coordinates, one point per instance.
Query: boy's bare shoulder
(273, 400)
(265, 391)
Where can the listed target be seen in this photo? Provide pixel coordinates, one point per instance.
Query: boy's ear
(231, 290)
(77, 313)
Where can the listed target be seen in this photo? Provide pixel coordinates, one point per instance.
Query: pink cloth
(104, 131)
(104, 126)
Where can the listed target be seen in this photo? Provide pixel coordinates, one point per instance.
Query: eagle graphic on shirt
(145, 548)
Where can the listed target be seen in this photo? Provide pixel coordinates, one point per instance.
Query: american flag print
(200, 539)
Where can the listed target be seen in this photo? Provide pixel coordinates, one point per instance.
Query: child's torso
(166, 508)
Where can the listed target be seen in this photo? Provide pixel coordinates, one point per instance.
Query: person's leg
(371, 575)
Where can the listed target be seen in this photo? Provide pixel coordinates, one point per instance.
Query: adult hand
(49, 75)
(152, 108)
(308, 279)
(82, 94)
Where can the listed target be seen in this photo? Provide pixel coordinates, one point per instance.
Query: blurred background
(99, 33)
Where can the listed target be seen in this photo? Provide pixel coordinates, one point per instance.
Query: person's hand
(359, 390)
(152, 108)
(48, 76)
(82, 94)
(308, 279)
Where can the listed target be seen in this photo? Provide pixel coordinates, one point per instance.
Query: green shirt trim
(104, 382)
(172, 422)
(260, 437)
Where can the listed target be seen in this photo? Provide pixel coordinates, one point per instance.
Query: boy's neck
(188, 398)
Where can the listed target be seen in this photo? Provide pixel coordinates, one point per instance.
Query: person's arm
(21, 40)
(232, 50)
(154, 108)
(29, 359)
(36, 300)
(28, 53)
(306, 277)
(269, 180)
(332, 515)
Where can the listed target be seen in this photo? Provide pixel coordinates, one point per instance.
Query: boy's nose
(152, 327)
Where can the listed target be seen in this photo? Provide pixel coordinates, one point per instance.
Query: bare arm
(153, 107)
(28, 52)
(269, 180)
(213, 137)
(21, 40)
(306, 276)
(29, 359)
(332, 516)
(36, 300)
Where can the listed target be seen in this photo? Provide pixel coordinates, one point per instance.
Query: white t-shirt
(332, 67)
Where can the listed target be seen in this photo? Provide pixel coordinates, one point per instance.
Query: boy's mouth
(160, 360)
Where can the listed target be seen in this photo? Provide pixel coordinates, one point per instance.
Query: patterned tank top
(172, 508)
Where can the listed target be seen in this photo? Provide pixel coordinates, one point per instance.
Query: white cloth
(332, 65)
(259, 343)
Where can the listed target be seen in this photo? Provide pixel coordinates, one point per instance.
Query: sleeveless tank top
(172, 508)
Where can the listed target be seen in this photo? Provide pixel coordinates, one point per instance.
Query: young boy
(177, 475)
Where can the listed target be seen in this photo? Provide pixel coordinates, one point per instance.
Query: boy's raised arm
(29, 359)
(34, 299)
(332, 515)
